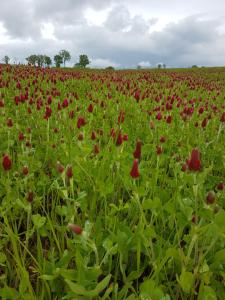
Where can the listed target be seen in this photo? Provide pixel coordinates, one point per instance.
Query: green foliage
(83, 61)
(6, 59)
(40, 60)
(47, 60)
(58, 60)
(110, 68)
(65, 56)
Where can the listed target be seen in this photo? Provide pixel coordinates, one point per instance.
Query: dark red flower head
(121, 117)
(194, 163)
(59, 167)
(25, 170)
(80, 136)
(48, 112)
(119, 140)
(222, 119)
(21, 136)
(210, 197)
(220, 186)
(93, 135)
(69, 172)
(159, 150)
(80, 122)
(90, 108)
(9, 122)
(30, 196)
(159, 116)
(204, 122)
(6, 162)
(75, 228)
(168, 119)
(96, 149)
(65, 103)
(137, 151)
(125, 137)
(162, 139)
(134, 173)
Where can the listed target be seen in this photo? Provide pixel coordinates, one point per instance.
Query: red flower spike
(169, 120)
(121, 117)
(9, 122)
(137, 152)
(134, 173)
(59, 167)
(210, 198)
(6, 162)
(21, 136)
(49, 101)
(69, 172)
(25, 170)
(80, 122)
(194, 163)
(220, 186)
(80, 136)
(119, 140)
(65, 103)
(96, 149)
(204, 122)
(125, 137)
(30, 196)
(159, 150)
(137, 95)
(90, 108)
(222, 119)
(159, 116)
(112, 132)
(194, 219)
(75, 228)
(162, 139)
(93, 135)
(48, 112)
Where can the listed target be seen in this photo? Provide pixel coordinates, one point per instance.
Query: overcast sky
(121, 33)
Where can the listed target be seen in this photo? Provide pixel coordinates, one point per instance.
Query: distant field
(112, 184)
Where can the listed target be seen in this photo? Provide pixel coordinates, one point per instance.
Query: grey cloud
(17, 19)
(23, 18)
(124, 39)
(118, 18)
(66, 11)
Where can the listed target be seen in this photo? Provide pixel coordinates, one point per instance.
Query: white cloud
(144, 64)
(47, 31)
(103, 63)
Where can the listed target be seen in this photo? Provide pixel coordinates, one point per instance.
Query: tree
(83, 61)
(47, 61)
(159, 66)
(32, 59)
(65, 56)
(58, 60)
(40, 60)
(6, 59)
(110, 68)
(164, 66)
(77, 66)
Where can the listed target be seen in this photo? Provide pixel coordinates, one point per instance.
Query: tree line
(42, 60)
